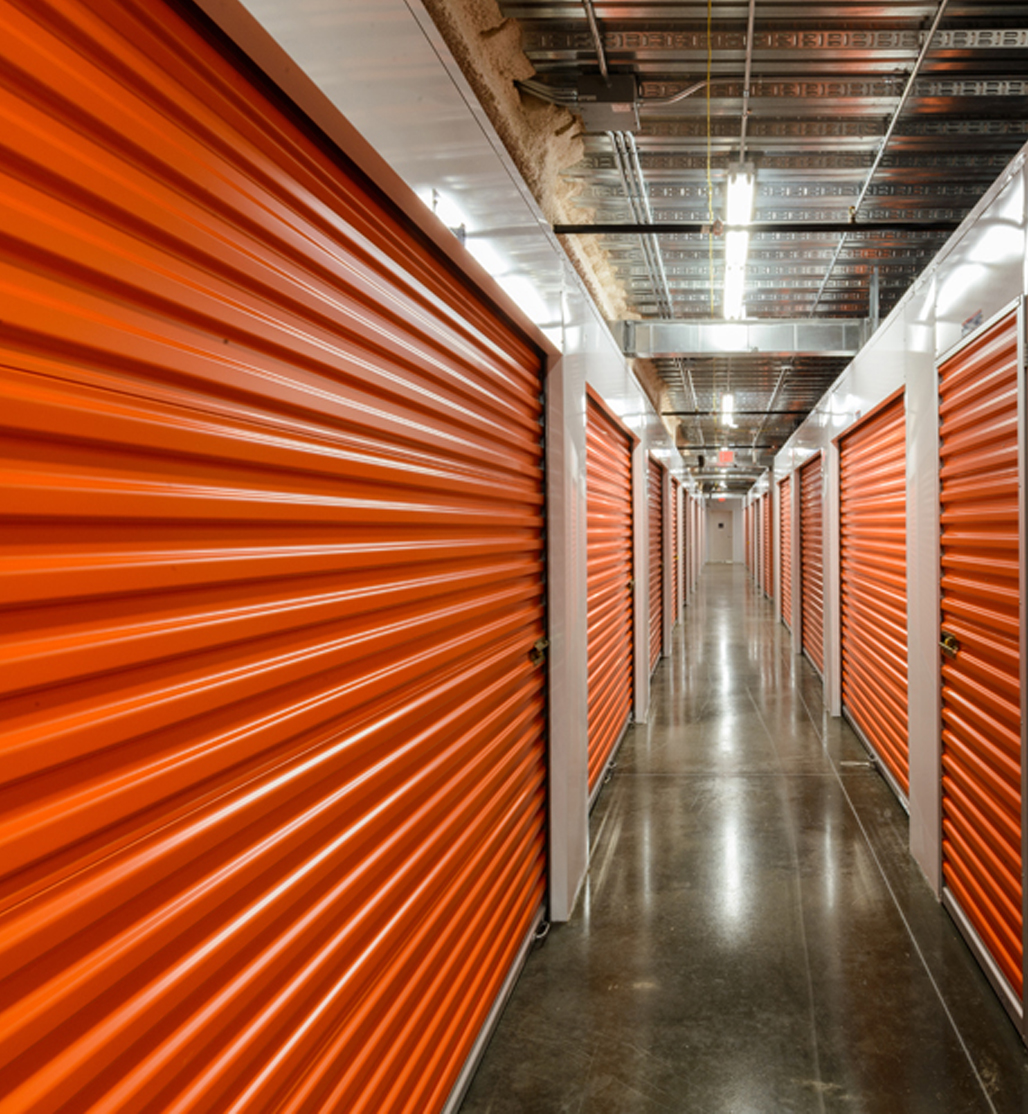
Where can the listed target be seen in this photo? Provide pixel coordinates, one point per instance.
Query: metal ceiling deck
(826, 81)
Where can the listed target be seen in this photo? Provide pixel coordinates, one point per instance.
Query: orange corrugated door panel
(655, 507)
(873, 613)
(981, 673)
(752, 546)
(684, 551)
(756, 542)
(609, 564)
(812, 612)
(676, 603)
(785, 546)
(746, 536)
(767, 532)
(273, 755)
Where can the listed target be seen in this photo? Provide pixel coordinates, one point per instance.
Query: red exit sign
(726, 456)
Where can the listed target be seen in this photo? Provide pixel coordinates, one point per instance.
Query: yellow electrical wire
(710, 185)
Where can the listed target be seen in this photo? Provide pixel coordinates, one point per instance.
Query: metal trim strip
(876, 759)
(601, 781)
(461, 1087)
(1005, 992)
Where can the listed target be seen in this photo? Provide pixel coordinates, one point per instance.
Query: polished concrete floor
(753, 936)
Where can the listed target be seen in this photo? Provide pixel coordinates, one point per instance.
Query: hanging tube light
(738, 211)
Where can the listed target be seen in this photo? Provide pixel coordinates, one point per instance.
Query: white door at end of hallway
(719, 535)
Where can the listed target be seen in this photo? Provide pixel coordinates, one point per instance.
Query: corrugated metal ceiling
(826, 81)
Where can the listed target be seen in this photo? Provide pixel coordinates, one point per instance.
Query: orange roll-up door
(675, 594)
(872, 546)
(609, 565)
(981, 611)
(684, 552)
(746, 536)
(767, 533)
(655, 517)
(749, 537)
(812, 564)
(785, 546)
(273, 755)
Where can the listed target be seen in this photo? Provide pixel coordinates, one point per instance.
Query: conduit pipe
(746, 81)
(880, 154)
(594, 30)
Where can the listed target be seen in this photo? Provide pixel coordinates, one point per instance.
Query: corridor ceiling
(888, 119)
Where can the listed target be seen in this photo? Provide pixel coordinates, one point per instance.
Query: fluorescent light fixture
(742, 183)
(736, 248)
(728, 410)
(735, 282)
(740, 191)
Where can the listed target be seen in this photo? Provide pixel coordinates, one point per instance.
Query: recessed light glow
(487, 255)
(522, 290)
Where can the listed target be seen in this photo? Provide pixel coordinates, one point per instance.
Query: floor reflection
(753, 935)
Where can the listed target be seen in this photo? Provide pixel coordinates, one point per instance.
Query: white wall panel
(979, 271)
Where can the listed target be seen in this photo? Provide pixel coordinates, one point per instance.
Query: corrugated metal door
(686, 587)
(609, 562)
(812, 616)
(655, 517)
(675, 567)
(273, 762)
(753, 539)
(767, 533)
(746, 537)
(873, 613)
(981, 633)
(674, 547)
(785, 546)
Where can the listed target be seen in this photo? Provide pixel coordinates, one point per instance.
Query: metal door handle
(950, 645)
(537, 655)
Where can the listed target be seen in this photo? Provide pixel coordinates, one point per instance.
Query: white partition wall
(978, 276)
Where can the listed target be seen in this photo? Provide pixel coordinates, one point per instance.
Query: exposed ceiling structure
(872, 130)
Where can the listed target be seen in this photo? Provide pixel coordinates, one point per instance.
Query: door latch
(950, 645)
(537, 655)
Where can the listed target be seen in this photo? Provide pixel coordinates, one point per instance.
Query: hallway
(753, 936)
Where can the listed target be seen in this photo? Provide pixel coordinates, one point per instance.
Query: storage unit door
(872, 546)
(655, 517)
(768, 534)
(273, 752)
(609, 568)
(812, 564)
(753, 539)
(785, 546)
(746, 537)
(981, 627)
(684, 552)
(675, 595)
